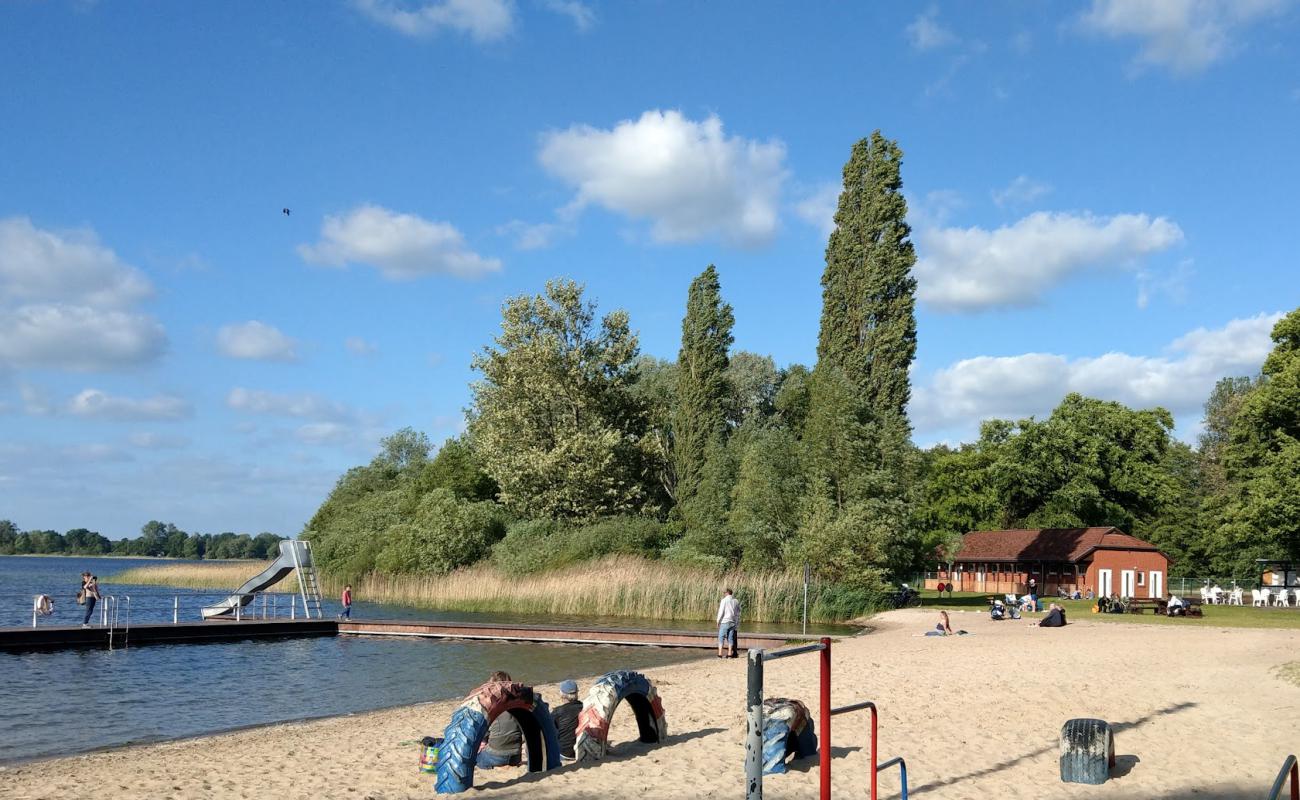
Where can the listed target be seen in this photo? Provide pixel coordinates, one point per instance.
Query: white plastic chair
(1283, 598)
(1297, 598)
(1265, 597)
(1206, 597)
(1254, 597)
(1236, 597)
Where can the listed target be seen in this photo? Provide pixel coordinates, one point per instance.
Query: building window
(1142, 578)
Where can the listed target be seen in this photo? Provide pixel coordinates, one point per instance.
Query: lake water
(133, 695)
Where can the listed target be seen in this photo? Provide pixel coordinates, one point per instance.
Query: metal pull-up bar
(875, 753)
(754, 716)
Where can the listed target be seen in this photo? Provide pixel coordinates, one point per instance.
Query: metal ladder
(308, 580)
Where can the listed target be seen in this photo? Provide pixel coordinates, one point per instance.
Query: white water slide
(295, 556)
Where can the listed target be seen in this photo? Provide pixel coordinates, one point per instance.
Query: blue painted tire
(598, 708)
(1087, 751)
(787, 730)
(469, 727)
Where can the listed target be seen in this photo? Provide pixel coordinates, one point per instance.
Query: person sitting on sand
(998, 611)
(505, 739)
(1177, 607)
(566, 719)
(1028, 603)
(1055, 617)
(943, 628)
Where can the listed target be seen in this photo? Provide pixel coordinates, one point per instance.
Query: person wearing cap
(566, 719)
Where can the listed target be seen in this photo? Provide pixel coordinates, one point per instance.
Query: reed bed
(217, 575)
(614, 586)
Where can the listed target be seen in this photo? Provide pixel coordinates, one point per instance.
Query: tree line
(578, 445)
(158, 539)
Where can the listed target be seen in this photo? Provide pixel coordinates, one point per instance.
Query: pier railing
(144, 606)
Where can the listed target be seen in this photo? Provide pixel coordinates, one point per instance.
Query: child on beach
(566, 719)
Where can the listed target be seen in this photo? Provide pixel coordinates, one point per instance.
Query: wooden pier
(562, 634)
(67, 637)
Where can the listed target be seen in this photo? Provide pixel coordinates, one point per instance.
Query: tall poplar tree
(703, 393)
(868, 325)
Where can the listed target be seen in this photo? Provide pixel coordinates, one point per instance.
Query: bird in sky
(286, 211)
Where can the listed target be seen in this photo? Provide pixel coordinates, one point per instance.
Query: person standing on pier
(347, 602)
(728, 622)
(90, 593)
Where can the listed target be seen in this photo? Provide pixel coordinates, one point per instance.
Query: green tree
(553, 417)
(700, 413)
(1220, 411)
(958, 496)
(457, 467)
(764, 513)
(656, 392)
(868, 323)
(444, 533)
(754, 381)
(1260, 513)
(1091, 462)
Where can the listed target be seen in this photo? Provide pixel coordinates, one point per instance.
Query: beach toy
(429, 753)
(787, 728)
(1087, 751)
(469, 727)
(598, 709)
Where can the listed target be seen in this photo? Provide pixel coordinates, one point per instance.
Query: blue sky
(1102, 197)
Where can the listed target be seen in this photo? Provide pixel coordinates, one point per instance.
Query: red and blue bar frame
(754, 722)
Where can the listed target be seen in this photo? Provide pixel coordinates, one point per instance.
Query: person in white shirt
(728, 620)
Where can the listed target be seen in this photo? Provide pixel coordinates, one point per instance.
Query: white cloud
(925, 32)
(1170, 283)
(324, 433)
(818, 208)
(1021, 191)
(78, 338)
(305, 405)
(1185, 36)
(584, 19)
(1013, 387)
(257, 341)
(65, 302)
(971, 269)
(101, 405)
(400, 246)
(534, 236)
(482, 20)
(688, 178)
(64, 267)
(149, 440)
(360, 347)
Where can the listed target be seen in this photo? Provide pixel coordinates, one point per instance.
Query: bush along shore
(614, 586)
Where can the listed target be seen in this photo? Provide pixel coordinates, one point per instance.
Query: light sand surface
(1199, 712)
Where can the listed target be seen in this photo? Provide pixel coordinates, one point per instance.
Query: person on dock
(728, 622)
(346, 613)
(505, 739)
(566, 719)
(89, 593)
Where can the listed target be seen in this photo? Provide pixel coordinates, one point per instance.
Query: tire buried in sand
(598, 709)
(469, 727)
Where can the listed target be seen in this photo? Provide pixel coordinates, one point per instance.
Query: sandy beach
(1199, 712)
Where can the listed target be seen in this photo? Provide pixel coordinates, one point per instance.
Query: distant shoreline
(110, 555)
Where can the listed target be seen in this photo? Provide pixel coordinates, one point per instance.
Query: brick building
(1105, 560)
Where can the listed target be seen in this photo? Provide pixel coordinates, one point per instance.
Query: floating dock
(67, 637)
(74, 636)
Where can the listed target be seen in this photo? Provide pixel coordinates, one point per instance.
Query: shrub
(445, 532)
(529, 546)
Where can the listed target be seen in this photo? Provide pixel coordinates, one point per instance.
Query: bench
(1138, 605)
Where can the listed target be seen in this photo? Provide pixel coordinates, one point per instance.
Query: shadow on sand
(623, 751)
(1124, 764)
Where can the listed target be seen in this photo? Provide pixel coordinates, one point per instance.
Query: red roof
(1045, 544)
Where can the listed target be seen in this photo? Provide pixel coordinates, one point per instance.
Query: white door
(1156, 585)
(1103, 583)
(1127, 583)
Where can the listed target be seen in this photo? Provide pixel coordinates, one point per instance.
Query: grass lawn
(1215, 616)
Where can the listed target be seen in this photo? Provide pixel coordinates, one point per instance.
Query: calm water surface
(133, 695)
